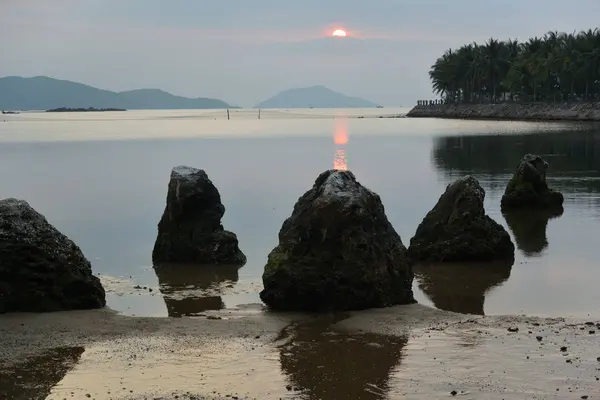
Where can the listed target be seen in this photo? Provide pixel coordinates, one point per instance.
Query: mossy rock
(528, 187)
(337, 251)
(42, 270)
(458, 230)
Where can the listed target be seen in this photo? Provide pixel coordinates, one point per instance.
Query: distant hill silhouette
(314, 96)
(42, 93)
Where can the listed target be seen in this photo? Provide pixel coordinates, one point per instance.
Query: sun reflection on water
(340, 162)
(340, 138)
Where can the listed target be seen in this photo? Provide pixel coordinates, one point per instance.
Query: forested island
(559, 71)
(89, 109)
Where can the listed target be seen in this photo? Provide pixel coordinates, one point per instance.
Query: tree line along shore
(554, 77)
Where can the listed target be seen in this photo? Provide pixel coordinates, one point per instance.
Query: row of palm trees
(555, 67)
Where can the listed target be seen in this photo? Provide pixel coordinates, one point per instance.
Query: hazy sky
(244, 51)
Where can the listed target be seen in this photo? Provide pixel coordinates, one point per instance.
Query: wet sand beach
(411, 352)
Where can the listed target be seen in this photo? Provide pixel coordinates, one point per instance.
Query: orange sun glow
(340, 134)
(339, 33)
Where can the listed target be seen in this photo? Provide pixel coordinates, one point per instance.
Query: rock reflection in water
(321, 363)
(191, 289)
(529, 228)
(35, 377)
(460, 287)
(572, 155)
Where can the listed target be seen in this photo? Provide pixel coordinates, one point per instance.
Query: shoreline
(410, 350)
(90, 109)
(534, 112)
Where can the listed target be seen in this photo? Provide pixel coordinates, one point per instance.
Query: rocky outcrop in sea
(528, 187)
(337, 251)
(41, 269)
(190, 230)
(457, 229)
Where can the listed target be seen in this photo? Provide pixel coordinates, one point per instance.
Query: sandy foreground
(404, 352)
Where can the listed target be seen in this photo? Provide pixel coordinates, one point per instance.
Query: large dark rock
(40, 268)
(337, 251)
(457, 229)
(190, 230)
(528, 187)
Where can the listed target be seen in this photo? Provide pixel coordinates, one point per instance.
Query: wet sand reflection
(192, 289)
(35, 377)
(321, 363)
(529, 228)
(460, 287)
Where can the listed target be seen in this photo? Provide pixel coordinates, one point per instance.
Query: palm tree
(541, 69)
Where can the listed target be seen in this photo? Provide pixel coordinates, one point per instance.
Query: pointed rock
(337, 251)
(41, 269)
(190, 230)
(528, 187)
(457, 229)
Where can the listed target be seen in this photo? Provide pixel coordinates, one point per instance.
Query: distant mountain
(42, 93)
(314, 96)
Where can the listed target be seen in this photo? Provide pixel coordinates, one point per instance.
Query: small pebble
(539, 338)
(563, 349)
(513, 329)
(453, 393)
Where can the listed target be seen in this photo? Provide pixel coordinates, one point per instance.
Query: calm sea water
(101, 178)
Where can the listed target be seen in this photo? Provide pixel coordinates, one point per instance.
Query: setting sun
(339, 33)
